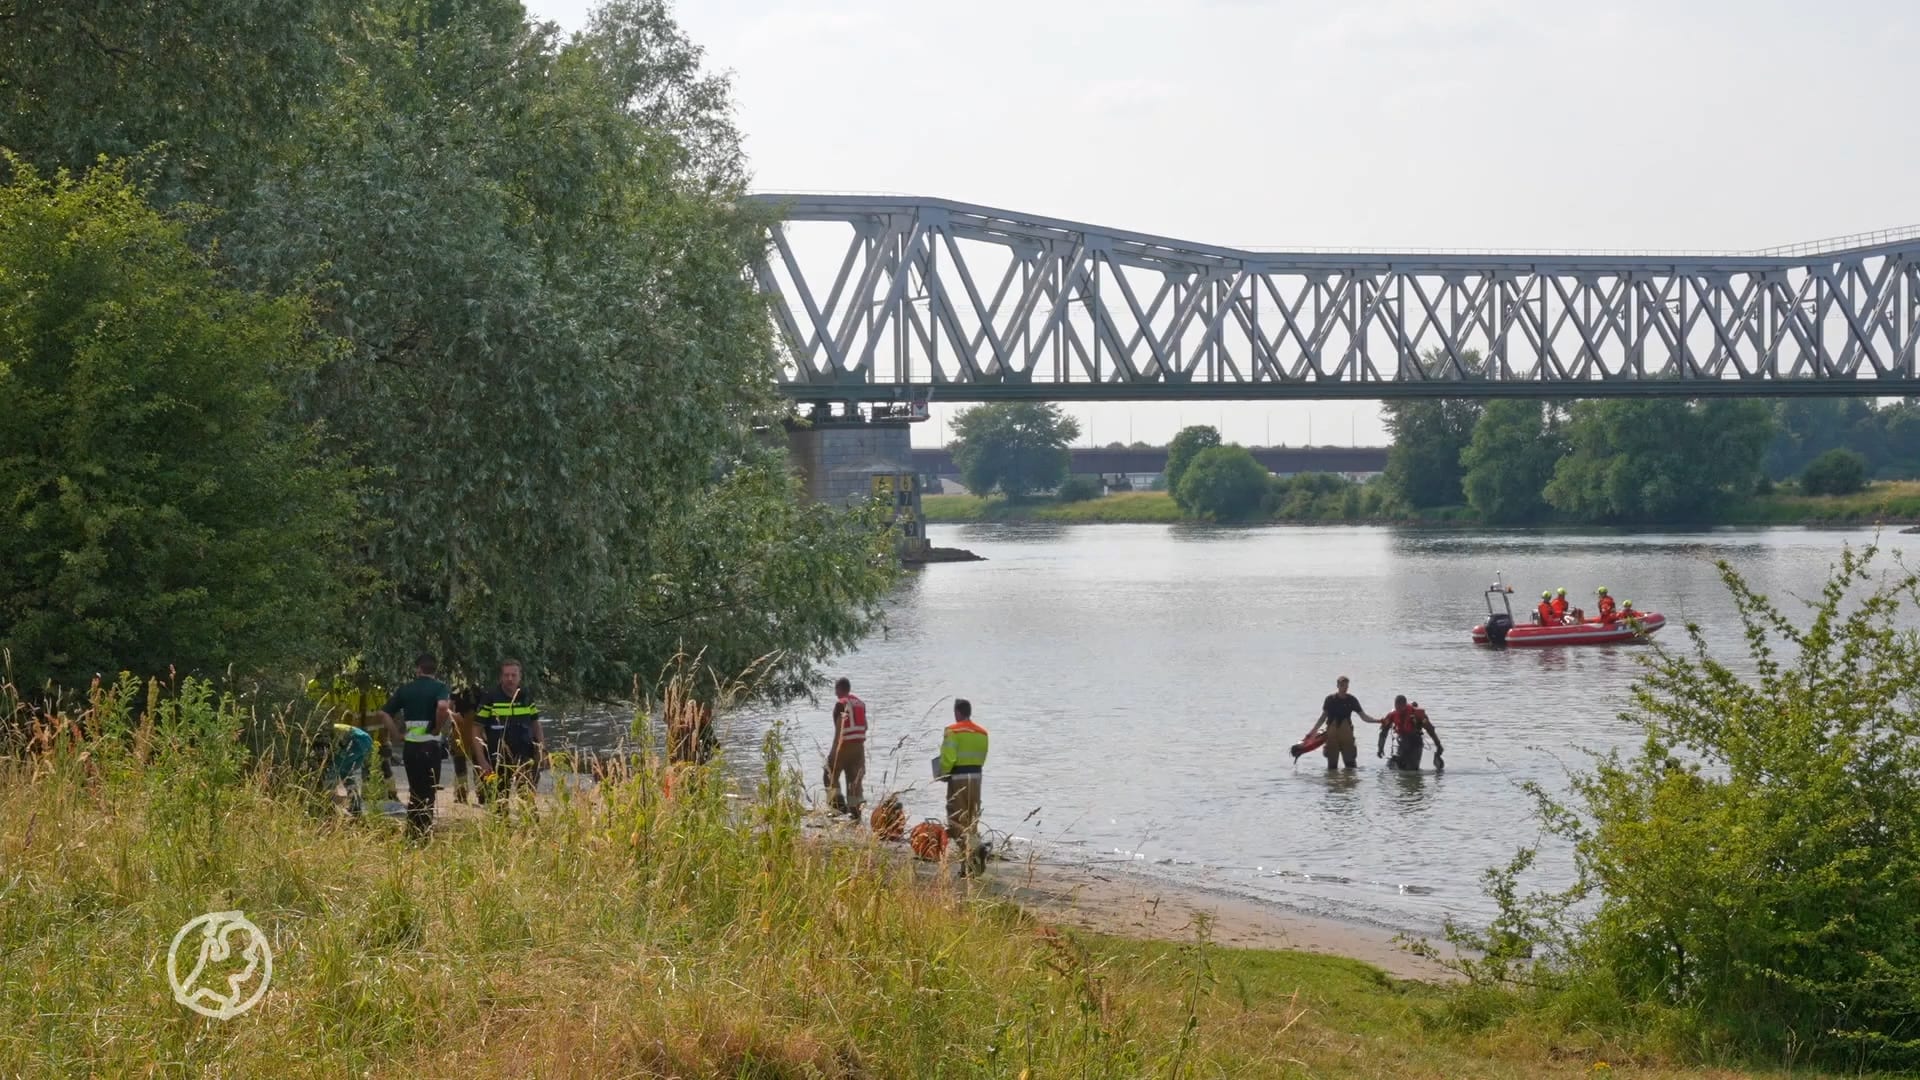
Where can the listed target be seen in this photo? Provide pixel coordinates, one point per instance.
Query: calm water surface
(1142, 685)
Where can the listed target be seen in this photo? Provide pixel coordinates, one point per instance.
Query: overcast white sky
(1716, 124)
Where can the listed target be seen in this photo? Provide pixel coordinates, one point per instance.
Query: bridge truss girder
(961, 302)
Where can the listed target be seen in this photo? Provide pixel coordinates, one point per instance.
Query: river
(1142, 684)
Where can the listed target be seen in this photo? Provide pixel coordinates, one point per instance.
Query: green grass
(629, 934)
(1138, 507)
(1891, 502)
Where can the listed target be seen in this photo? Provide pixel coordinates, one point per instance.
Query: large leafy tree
(557, 375)
(205, 90)
(1224, 483)
(1429, 435)
(1017, 447)
(163, 510)
(1510, 460)
(1185, 447)
(1660, 459)
(537, 249)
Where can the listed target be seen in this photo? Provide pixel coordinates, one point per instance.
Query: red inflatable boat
(1501, 629)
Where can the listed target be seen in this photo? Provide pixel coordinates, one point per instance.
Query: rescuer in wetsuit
(1407, 722)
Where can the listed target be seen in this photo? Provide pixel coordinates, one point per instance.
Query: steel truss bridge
(932, 298)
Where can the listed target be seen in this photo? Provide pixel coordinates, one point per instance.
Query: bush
(1224, 483)
(1764, 485)
(164, 508)
(1754, 863)
(1837, 472)
(1078, 489)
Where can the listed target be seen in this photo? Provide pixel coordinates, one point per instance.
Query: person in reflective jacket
(963, 755)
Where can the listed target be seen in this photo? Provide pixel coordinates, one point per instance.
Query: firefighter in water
(1408, 721)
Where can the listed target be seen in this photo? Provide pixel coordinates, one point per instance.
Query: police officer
(515, 740)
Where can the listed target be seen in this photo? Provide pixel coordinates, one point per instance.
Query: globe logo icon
(228, 965)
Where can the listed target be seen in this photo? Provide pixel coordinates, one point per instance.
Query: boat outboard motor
(1497, 627)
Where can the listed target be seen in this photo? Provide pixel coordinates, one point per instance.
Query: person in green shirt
(417, 717)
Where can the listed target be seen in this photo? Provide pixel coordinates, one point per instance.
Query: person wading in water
(1407, 722)
(1336, 714)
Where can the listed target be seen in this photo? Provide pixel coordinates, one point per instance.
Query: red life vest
(853, 720)
(1546, 612)
(1559, 607)
(1406, 721)
(1606, 608)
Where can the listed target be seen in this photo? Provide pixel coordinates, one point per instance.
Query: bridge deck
(927, 297)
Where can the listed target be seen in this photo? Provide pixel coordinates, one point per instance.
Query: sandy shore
(1130, 905)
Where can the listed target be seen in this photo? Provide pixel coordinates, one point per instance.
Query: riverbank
(626, 933)
(1887, 503)
(1105, 900)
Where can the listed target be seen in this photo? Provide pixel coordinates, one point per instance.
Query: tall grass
(618, 932)
(621, 931)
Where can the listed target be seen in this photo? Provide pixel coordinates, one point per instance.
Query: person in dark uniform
(417, 717)
(515, 740)
(1336, 715)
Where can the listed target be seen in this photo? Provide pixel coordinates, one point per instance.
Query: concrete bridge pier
(846, 460)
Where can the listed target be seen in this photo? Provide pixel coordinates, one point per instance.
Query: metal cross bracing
(926, 297)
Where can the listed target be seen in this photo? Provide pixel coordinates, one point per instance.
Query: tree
(1223, 483)
(1658, 460)
(166, 511)
(1186, 446)
(1429, 435)
(1836, 472)
(1017, 447)
(759, 579)
(204, 91)
(537, 251)
(1805, 428)
(1510, 460)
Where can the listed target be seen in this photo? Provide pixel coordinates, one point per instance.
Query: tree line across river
(1505, 462)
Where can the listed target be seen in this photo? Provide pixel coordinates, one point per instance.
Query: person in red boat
(1608, 613)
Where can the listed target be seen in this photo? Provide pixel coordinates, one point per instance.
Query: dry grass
(623, 934)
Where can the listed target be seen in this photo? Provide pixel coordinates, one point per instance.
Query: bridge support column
(844, 462)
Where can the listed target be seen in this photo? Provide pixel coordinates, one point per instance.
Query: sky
(1714, 125)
